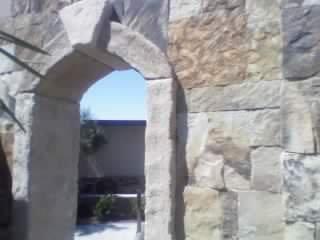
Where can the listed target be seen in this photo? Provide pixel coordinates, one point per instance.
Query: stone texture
(301, 186)
(230, 215)
(148, 17)
(203, 215)
(300, 230)
(260, 216)
(301, 59)
(134, 48)
(6, 64)
(259, 95)
(202, 59)
(300, 109)
(234, 6)
(35, 6)
(265, 51)
(266, 173)
(160, 158)
(53, 166)
(299, 3)
(184, 9)
(217, 145)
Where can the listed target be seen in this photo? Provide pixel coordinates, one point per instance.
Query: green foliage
(104, 207)
(91, 135)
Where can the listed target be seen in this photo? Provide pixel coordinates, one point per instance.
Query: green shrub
(103, 208)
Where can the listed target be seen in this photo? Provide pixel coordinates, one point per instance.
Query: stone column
(160, 160)
(45, 168)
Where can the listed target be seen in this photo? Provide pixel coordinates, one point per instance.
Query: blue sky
(120, 95)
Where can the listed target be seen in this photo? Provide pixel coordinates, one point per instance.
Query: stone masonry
(233, 130)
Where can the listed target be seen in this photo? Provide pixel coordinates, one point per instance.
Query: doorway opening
(112, 157)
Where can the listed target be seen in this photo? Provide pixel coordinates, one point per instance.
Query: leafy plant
(104, 206)
(91, 135)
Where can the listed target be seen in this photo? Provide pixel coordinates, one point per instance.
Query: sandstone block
(201, 59)
(245, 96)
(266, 173)
(260, 216)
(203, 215)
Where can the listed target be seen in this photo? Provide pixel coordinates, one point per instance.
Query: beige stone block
(266, 170)
(245, 96)
(201, 58)
(300, 230)
(260, 216)
(203, 215)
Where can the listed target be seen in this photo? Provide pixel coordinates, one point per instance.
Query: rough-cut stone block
(35, 6)
(230, 215)
(6, 64)
(264, 57)
(184, 9)
(201, 58)
(53, 167)
(262, 12)
(301, 186)
(217, 145)
(160, 155)
(266, 173)
(230, 5)
(299, 3)
(264, 127)
(300, 28)
(150, 18)
(245, 96)
(260, 216)
(300, 230)
(300, 108)
(203, 215)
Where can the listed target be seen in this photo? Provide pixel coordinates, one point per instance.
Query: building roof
(121, 122)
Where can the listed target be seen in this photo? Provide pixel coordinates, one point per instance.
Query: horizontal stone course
(245, 96)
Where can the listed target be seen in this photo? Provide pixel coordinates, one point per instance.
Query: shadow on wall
(181, 164)
(5, 195)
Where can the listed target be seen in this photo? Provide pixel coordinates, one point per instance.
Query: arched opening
(45, 171)
(111, 159)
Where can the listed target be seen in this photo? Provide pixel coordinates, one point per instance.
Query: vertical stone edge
(160, 160)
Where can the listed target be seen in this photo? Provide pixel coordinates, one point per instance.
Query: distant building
(122, 156)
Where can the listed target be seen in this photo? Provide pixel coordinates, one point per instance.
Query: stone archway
(45, 167)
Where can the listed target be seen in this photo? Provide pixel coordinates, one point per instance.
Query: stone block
(300, 108)
(217, 145)
(301, 54)
(245, 96)
(266, 170)
(301, 174)
(299, 3)
(300, 230)
(230, 215)
(184, 9)
(265, 54)
(260, 216)
(201, 59)
(203, 215)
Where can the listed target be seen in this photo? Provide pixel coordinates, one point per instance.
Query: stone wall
(247, 121)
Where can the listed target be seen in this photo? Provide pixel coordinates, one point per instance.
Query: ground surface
(121, 230)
